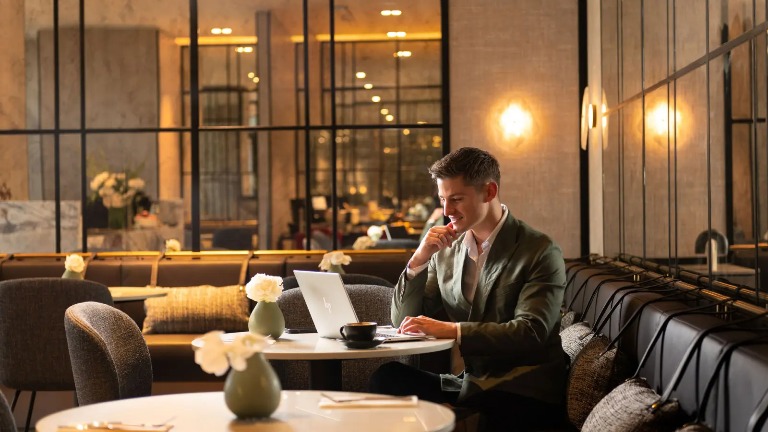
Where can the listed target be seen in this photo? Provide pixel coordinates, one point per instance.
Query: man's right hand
(438, 237)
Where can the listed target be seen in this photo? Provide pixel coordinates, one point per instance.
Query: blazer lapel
(501, 253)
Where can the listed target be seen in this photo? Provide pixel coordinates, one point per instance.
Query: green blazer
(510, 333)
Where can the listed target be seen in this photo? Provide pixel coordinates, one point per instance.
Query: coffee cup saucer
(363, 344)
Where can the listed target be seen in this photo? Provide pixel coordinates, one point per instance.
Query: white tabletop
(298, 411)
(309, 346)
(122, 294)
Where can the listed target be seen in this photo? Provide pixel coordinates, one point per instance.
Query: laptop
(330, 307)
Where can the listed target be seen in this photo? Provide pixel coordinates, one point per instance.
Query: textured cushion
(568, 319)
(574, 337)
(594, 373)
(197, 310)
(694, 427)
(627, 407)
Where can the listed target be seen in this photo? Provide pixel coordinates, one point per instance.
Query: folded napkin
(114, 426)
(371, 401)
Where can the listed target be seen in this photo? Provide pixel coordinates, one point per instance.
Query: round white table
(325, 355)
(298, 411)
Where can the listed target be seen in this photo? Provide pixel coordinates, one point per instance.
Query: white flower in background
(216, 356)
(74, 263)
(172, 245)
(116, 189)
(263, 287)
(334, 258)
(375, 232)
(363, 242)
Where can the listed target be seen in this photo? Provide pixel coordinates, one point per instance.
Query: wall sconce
(659, 117)
(515, 122)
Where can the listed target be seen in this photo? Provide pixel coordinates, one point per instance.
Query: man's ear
(491, 191)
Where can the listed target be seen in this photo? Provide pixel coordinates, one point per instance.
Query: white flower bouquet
(375, 232)
(216, 356)
(363, 242)
(74, 263)
(116, 189)
(172, 245)
(334, 260)
(264, 288)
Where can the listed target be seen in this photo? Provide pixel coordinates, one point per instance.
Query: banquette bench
(741, 394)
(171, 352)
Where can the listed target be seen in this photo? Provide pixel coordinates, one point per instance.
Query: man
(498, 285)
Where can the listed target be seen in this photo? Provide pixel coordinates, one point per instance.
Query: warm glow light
(658, 119)
(384, 111)
(406, 131)
(244, 49)
(421, 122)
(605, 118)
(376, 99)
(389, 117)
(394, 12)
(403, 54)
(363, 189)
(216, 31)
(387, 150)
(399, 34)
(515, 121)
(368, 86)
(352, 190)
(591, 114)
(256, 79)
(360, 75)
(226, 31)
(251, 75)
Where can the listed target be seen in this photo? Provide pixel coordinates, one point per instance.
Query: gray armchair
(34, 355)
(110, 359)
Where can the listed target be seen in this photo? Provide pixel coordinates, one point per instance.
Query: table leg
(325, 375)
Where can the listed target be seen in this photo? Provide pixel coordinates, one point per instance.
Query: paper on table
(368, 402)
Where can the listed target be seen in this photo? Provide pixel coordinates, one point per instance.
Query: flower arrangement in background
(172, 245)
(332, 261)
(74, 263)
(216, 356)
(264, 288)
(375, 232)
(363, 242)
(116, 189)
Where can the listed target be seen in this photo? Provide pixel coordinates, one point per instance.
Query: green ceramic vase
(253, 392)
(69, 274)
(336, 268)
(267, 319)
(117, 217)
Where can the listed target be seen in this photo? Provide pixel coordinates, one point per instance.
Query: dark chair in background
(35, 355)
(110, 359)
(371, 303)
(719, 238)
(233, 238)
(290, 282)
(7, 423)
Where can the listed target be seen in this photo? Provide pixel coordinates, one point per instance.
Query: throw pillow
(628, 407)
(197, 310)
(574, 337)
(594, 372)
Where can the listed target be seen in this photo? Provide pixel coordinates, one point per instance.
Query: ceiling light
(406, 131)
(226, 30)
(256, 79)
(394, 12)
(244, 49)
(384, 111)
(400, 34)
(421, 122)
(376, 99)
(251, 74)
(368, 86)
(360, 75)
(216, 30)
(389, 117)
(403, 54)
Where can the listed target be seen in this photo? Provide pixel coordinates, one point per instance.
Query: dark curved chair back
(34, 355)
(719, 238)
(7, 423)
(371, 303)
(110, 359)
(290, 282)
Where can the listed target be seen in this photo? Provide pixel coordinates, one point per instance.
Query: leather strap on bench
(155, 265)
(244, 268)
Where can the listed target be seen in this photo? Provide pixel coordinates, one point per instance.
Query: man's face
(465, 205)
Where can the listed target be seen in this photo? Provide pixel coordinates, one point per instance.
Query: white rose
(172, 245)
(243, 347)
(334, 258)
(98, 180)
(212, 355)
(263, 287)
(136, 184)
(375, 232)
(363, 242)
(74, 263)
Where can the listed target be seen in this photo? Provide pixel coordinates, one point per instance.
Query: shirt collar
(471, 244)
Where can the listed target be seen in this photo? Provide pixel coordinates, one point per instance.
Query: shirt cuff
(412, 273)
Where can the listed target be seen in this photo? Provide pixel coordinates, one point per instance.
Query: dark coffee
(359, 331)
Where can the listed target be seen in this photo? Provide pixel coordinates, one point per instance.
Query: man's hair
(478, 167)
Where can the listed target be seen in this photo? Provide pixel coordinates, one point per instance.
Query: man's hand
(438, 237)
(428, 326)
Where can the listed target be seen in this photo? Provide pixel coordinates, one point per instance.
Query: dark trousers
(501, 411)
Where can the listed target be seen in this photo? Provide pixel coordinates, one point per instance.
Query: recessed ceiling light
(376, 99)
(384, 111)
(256, 79)
(368, 86)
(244, 49)
(403, 54)
(251, 74)
(393, 12)
(389, 117)
(215, 30)
(226, 30)
(360, 75)
(406, 131)
(399, 34)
